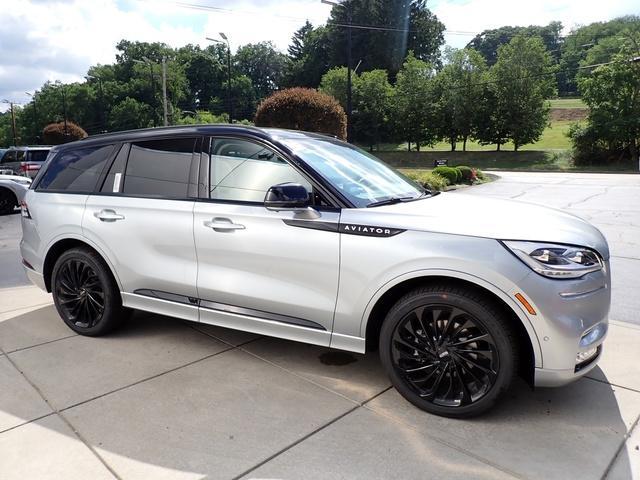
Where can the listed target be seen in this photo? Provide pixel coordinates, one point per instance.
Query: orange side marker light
(526, 304)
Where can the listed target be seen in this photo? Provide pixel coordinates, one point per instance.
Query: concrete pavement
(168, 399)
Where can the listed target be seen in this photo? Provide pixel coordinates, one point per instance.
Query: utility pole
(64, 109)
(103, 115)
(13, 122)
(164, 90)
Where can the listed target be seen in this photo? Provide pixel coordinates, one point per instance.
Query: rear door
(142, 219)
(260, 270)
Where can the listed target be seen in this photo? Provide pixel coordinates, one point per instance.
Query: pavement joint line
(612, 384)
(619, 449)
(27, 423)
(25, 308)
(138, 382)
(443, 441)
(306, 379)
(40, 344)
(307, 436)
(64, 419)
(623, 257)
(210, 335)
(623, 324)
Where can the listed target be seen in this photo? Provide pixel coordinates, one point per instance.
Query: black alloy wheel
(80, 293)
(445, 355)
(85, 292)
(449, 350)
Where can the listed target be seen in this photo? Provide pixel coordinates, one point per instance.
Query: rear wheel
(8, 201)
(448, 350)
(85, 293)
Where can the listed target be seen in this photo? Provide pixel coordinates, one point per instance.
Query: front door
(260, 270)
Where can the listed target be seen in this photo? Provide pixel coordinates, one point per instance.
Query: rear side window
(159, 168)
(9, 156)
(76, 170)
(37, 155)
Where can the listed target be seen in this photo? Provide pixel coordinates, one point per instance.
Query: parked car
(12, 191)
(25, 161)
(304, 237)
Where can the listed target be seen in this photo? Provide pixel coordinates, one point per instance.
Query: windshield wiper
(389, 201)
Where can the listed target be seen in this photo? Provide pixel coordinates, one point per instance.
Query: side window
(9, 156)
(243, 171)
(159, 168)
(75, 170)
(113, 180)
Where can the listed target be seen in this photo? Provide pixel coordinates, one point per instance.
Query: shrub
(429, 180)
(452, 174)
(55, 134)
(468, 174)
(303, 109)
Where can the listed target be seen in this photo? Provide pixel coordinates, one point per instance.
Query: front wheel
(85, 293)
(448, 350)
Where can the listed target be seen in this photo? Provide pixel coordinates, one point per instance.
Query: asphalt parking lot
(163, 398)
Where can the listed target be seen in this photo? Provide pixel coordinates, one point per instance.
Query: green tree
(129, 114)
(612, 93)
(457, 90)
(406, 25)
(412, 113)
(334, 83)
(263, 64)
(309, 54)
(520, 82)
(373, 100)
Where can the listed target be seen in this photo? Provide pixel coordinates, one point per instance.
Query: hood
(471, 215)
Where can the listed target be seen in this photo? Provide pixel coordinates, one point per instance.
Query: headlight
(556, 261)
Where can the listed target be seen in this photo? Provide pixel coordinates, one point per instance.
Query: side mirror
(286, 196)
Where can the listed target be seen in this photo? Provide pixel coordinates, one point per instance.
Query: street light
(103, 115)
(229, 99)
(347, 5)
(35, 115)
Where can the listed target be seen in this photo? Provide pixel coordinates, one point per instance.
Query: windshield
(360, 177)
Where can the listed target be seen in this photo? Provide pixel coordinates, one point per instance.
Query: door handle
(223, 224)
(108, 215)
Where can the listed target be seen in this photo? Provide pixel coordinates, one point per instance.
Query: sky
(53, 40)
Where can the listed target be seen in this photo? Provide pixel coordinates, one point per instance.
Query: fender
(507, 297)
(89, 242)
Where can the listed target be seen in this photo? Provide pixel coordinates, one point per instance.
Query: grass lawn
(567, 103)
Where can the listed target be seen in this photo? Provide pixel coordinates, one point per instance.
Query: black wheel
(448, 350)
(8, 201)
(85, 293)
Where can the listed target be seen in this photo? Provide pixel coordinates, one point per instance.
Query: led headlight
(556, 261)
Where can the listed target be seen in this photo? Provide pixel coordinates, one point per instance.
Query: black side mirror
(286, 196)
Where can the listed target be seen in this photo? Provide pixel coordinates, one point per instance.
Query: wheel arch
(61, 245)
(386, 297)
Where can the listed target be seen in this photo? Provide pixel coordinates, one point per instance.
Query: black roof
(186, 130)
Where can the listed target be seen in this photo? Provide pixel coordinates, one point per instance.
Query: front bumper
(571, 318)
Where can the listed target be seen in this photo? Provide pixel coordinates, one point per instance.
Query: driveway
(168, 399)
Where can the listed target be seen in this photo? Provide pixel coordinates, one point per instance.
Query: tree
(373, 99)
(520, 82)
(309, 55)
(405, 25)
(458, 89)
(129, 114)
(489, 41)
(612, 93)
(303, 109)
(263, 64)
(412, 112)
(602, 37)
(334, 83)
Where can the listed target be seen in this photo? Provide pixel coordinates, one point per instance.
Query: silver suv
(304, 237)
(24, 161)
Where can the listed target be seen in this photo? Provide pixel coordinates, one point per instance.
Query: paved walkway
(173, 400)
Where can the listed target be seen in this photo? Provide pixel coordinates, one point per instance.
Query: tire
(8, 201)
(86, 294)
(449, 350)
